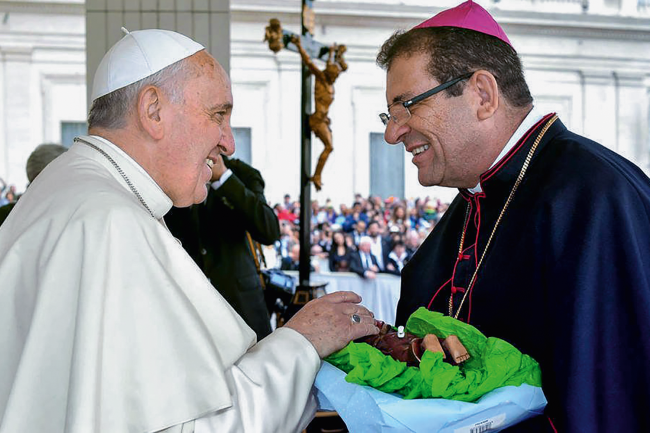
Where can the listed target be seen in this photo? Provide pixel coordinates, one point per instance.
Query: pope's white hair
(111, 110)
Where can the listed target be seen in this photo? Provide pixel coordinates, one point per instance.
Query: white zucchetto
(138, 55)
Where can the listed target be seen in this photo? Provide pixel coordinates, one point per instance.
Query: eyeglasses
(399, 112)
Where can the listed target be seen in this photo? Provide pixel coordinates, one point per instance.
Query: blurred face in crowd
(361, 226)
(439, 134)
(413, 239)
(338, 238)
(287, 230)
(199, 129)
(364, 246)
(373, 229)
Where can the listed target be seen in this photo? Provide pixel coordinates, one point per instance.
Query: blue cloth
(367, 410)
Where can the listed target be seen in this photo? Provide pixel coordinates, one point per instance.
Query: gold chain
(503, 211)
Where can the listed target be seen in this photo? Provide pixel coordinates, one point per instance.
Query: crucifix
(319, 121)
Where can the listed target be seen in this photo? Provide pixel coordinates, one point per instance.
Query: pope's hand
(328, 324)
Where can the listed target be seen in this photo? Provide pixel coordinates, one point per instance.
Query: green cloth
(494, 363)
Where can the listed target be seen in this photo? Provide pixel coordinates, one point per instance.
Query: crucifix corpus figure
(319, 122)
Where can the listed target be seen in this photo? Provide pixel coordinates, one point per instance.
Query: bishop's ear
(150, 106)
(487, 91)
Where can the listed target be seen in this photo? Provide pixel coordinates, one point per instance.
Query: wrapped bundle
(492, 363)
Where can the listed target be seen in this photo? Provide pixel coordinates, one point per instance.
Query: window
(242, 144)
(70, 130)
(386, 167)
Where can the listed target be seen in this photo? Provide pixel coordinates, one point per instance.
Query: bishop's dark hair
(454, 51)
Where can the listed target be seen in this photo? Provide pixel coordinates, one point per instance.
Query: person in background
(106, 323)
(284, 214)
(36, 162)
(398, 218)
(292, 261)
(286, 241)
(340, 255)
(380, 247)
(349, 242)
(359, 231)
(546, 245)
(397, 258)
(288, 203)
(325, 240)
(364, 262)
(3, 187)
(412, 242)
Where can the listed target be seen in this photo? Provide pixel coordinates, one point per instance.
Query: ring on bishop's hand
(355, 318)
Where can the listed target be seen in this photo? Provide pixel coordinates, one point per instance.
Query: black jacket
(356, 264)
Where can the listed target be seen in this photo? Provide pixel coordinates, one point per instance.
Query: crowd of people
(8, 193)
(389, 229)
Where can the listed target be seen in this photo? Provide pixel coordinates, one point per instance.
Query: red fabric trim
(477, 219)
(551, 422)
(458, 258)
(436, 294)
(488, 174)
(477, 224)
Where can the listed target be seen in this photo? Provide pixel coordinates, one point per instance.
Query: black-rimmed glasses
(399, 112)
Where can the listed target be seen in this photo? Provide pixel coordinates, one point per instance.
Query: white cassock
(107, 325)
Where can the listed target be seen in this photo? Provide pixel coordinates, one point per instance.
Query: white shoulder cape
(106, 324)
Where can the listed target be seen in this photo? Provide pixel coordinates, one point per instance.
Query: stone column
(16, 63)
(206, 21)
(600, 108)
(632, 118)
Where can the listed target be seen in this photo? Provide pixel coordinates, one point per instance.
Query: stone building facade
(588, 60)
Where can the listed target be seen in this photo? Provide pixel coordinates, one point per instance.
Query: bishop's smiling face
(440, 133)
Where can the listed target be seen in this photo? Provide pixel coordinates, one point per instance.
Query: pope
(106, 324)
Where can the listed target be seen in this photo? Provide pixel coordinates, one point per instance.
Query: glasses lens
(399, 113)
(385, 118)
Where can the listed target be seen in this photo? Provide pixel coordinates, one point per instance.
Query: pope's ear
(487, 90)
(150, 105)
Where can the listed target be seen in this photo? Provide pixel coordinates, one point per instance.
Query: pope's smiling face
(440, 133)
(200, 130)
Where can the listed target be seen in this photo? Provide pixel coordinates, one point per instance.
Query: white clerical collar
(155, 198)
(529, 121)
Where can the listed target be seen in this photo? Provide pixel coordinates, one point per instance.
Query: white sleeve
(224, 177)
(271, 388)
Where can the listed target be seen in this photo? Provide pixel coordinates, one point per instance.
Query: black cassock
(566, 278)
